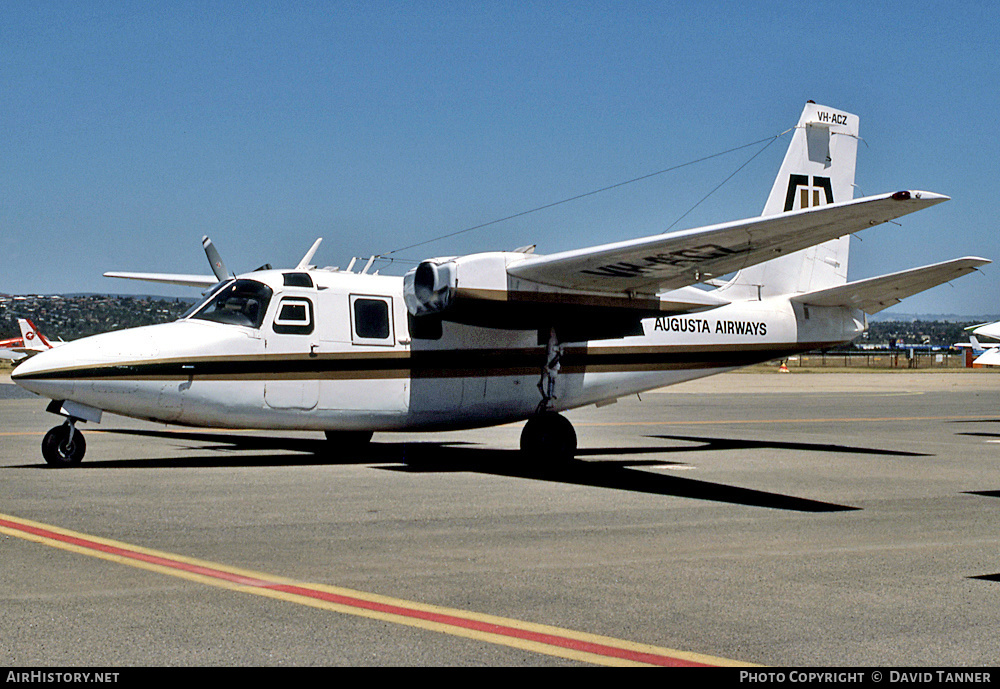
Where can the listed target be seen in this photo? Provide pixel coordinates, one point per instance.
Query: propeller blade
(218, 267)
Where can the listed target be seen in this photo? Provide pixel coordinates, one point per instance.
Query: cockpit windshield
(241, 302)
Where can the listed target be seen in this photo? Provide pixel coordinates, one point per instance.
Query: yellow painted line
(526, 636)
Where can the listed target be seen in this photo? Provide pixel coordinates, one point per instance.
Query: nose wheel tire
(63, 446)
(550, 437)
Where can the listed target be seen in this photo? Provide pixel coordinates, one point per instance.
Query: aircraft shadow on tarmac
(743, 444)
(980, 434)
(987, 494)
(445, 457)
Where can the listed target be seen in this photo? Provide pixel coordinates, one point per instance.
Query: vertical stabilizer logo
(808, 192)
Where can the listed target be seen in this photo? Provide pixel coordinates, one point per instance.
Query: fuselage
(329, 350)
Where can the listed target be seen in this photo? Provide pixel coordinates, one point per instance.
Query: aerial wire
(767, 141)
(733, 174)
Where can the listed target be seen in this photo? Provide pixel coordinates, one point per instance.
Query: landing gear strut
(547, 435)
(64, 446)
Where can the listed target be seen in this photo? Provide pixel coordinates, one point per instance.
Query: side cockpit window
(242, 302)
(294, 317)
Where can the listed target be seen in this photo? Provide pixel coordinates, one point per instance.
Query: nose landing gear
(64, 445)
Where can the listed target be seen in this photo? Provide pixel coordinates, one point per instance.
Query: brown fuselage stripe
(429, 363)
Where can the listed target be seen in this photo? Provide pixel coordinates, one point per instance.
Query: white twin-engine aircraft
(499, 337)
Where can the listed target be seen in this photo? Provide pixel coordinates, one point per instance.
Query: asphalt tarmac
(804, 519)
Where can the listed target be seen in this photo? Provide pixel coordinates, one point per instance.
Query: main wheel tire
(349, 439)
(60, 450)
(550, 437)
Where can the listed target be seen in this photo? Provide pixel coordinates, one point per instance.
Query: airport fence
(893, 359)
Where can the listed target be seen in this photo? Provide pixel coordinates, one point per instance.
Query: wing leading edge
(663, 262)
(203, 281)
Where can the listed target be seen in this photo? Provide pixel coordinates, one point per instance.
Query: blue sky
(132, 129)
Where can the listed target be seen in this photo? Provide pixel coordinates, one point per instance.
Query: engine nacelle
(433, 286)
(430, 287)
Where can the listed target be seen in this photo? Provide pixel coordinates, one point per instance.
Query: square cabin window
(372, 320)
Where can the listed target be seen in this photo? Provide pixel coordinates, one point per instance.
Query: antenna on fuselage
(304, 263)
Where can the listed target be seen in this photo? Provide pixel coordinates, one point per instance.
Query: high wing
(989, 330)
(219, 270)
(618, 283)
(203, 281)
(220, 273)
(678, 259)
(874, 294)
(12, 353)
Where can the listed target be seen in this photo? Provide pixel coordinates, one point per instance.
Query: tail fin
(32, 339)
(818, 169)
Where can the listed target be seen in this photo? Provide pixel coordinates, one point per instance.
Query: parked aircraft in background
(31, 342)
(492, 338)
(988, 353)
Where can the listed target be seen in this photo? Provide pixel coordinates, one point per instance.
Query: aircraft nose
(47, 373)
(83, 368)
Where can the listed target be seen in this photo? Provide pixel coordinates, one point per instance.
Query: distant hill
(73, 316)
(944, 317)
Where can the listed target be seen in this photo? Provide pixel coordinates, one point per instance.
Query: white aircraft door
(366, 366)
(291, 342)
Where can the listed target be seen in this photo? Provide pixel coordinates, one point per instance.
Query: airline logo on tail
(33, 340)
(30, 343)
(807, 189)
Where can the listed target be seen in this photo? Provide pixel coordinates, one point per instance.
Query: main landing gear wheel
(549, 436)
(64, 446)
(349, 439)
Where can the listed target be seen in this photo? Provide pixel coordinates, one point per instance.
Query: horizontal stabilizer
(203, 281)
(12, 354)
(874, 294)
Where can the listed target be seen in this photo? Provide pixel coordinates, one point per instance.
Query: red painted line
(492, 628)
(136, 555)
(440, 618)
